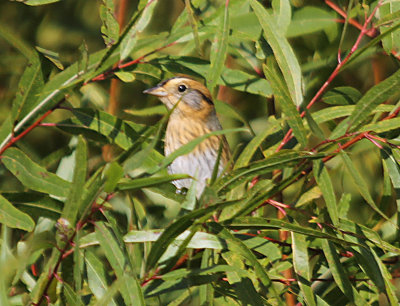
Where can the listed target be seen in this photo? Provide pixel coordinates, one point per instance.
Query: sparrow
(193, 115)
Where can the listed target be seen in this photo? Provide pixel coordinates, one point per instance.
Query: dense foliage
(308, 93)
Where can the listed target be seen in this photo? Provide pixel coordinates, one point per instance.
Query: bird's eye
(182, 88)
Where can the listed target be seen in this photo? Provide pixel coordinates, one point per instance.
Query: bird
(192, 115)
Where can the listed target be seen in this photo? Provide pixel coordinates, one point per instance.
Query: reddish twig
(371, 32)
(120, 66)
(333, 75)
(30, 128)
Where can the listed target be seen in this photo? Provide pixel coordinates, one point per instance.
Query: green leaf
(376, 95)
(38, 2)
(218, 50)
(96, 275)
(314, 127)
(282, 50)
(269, 223)
(93, 121)
(271, 135)
(129, 40)
(235, 245)
(339, 273)
(29, 87)
(178, 227)
(73, 203)
(149, 181)
(148, 111)
(32, 175)
(267, 165)
(125, 76)
(72, 297)
(110, 27)
(36, 204)
(113, 173)
(308, 196)
(382, 126)
(342, 96)
(284, 14)
(325, 185)
(360, 183)
(301, 267)
(281, 94)
(390, 289)
(14, 218)
(390, 12)
(309, 20)
(130, 289)
(394, 173)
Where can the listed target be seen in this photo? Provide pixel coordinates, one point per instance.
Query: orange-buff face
(193, 115)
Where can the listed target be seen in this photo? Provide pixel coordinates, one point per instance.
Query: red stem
(289, 134)
(30, 128)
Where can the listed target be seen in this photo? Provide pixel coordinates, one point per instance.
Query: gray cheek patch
(193, 98)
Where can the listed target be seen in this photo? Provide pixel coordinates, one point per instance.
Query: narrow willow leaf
(193, 23)
(283, 13)
(360, 183)
(394, 173)
(314, 127)
(72, 297)
(325, 185)
(301, 267)
(93, 121)
(32, 175)
(129, 41)
(148, 111)
(390, 11)
(267, 165)
(367, 234)
(113, 173)
(282, 50)
(382, 126)
(178, 227)
(110, 26)
(309, 20)
(39, 2)
(339, 274)
(270, 135)
(308, 196)
(342, 96)
(14, 218)
(235, 245)
(96, 275)
(36, 204)
(375, 96)
(242, 284)
(282, 96)
(119, 261)
(218, 51)
(268, 223)
(149, 181)
(335, 112)
(73, 203)
(126, 76)
(390, 289)
(29, 87)
(206, 292)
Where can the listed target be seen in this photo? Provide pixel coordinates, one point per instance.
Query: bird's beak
(157, 91)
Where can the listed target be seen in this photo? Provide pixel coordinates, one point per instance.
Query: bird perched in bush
(193, 115)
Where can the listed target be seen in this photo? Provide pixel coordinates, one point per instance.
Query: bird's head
(192, 97)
